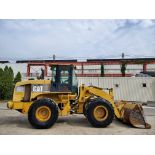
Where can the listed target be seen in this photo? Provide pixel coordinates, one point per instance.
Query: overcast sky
(76, 38)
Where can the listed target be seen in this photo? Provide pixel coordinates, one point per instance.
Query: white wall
(129, 88)
(151, 67)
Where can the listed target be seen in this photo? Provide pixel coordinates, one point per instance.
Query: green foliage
(123, 68)
(7, 82)
(10, 72)
(17, 78)
(102, 70)
(1, 73)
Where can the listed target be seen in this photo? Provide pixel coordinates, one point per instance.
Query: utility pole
(54, 56)
(123, 55)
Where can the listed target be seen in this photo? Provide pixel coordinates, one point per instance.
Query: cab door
(61, 78)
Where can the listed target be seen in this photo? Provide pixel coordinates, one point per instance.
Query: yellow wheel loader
(46, 100)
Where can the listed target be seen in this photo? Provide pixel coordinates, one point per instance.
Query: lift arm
(88, 91)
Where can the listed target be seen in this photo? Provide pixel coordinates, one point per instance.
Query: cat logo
(37, 88)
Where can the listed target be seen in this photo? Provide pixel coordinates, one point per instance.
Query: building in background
(87, 68)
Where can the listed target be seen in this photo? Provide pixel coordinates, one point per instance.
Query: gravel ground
(14, 123)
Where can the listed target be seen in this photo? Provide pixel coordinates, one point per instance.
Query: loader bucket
(133, 114)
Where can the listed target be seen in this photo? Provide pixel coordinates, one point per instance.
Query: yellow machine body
(18, 102)
(63, 98)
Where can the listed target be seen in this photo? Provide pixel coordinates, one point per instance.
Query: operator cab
(64, 79)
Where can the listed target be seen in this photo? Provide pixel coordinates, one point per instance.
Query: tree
(102, 70)
(17, 78)
(6, 84)
(1, 73)
(10, 72)
(123, 68)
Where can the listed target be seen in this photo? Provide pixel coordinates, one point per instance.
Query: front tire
(84, 109)
(100, 113)
(43, 113)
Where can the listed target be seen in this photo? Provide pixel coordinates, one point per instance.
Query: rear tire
(100, 113)
(43, 113)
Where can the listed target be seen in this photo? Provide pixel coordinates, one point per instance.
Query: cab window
(20, 89)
